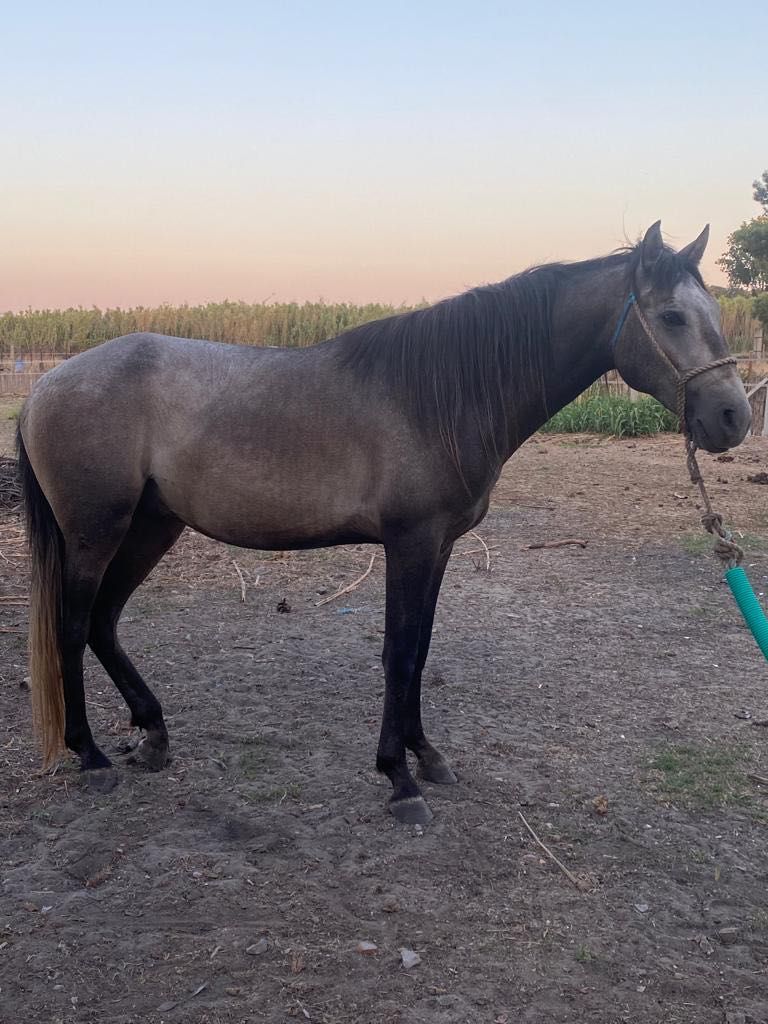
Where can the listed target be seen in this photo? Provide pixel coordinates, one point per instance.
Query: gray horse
(394, 433)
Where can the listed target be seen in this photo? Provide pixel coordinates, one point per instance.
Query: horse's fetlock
(76, 740)
(385, 763)
(417, 742)
(148, 716)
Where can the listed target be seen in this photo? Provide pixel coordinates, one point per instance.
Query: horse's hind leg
(84, 565)
(147, 540)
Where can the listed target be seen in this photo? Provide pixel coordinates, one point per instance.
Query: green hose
(750, 607)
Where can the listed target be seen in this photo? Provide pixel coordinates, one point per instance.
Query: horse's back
(138, 376)
(147, 359)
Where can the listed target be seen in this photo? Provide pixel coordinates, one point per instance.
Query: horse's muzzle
(723, 427)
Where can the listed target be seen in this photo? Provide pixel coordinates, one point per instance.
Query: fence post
(758, 338)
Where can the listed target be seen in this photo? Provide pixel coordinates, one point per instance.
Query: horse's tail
(46, 549)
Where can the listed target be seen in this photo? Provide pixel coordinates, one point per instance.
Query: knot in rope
(726, 548)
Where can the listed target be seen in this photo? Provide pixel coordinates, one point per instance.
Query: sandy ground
(236, 885)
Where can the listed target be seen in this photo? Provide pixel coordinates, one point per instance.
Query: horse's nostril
(729, 417)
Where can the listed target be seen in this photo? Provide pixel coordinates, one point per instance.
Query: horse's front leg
(412, 563)
(433, 767)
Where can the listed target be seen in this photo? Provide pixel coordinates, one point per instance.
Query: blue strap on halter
(631, 300)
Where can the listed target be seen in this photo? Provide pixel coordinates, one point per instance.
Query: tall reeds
(65, 331)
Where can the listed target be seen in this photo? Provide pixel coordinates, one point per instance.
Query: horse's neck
(582, 324)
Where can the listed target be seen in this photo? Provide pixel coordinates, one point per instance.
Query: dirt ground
(610, 694)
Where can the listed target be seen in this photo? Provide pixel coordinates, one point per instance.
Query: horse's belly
(295, 511)
(270, 532)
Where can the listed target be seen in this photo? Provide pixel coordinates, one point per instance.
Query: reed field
(41, 333)
(739, 322)
(67, 331)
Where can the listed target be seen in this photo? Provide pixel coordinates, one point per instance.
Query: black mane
(453, 358)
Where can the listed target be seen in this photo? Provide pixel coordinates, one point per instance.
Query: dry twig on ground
(555, 544)
(579, 883)
(242, 580)
(352, 586)
(485, 550)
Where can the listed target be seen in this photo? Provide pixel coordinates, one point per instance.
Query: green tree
(760, 195)
(745, 261)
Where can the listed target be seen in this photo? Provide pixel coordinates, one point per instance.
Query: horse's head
(672, 329)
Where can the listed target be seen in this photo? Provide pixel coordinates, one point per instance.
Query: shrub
(612, 414)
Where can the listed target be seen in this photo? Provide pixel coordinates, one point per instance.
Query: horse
(394, 432)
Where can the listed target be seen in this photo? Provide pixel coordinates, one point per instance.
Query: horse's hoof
(153, 756)
(100, 780)
(438, 771)
(411, 810)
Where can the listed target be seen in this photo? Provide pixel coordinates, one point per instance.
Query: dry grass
(38, 333)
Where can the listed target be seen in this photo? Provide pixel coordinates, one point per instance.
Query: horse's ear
(692, 253)
(651, 246)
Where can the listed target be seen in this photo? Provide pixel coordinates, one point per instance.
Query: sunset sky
(170, 152)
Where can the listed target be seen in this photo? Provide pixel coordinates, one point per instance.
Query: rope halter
(725, 547)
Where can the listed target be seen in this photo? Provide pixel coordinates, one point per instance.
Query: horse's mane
(457, 356)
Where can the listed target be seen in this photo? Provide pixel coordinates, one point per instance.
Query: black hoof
(99, 780)
(153, 756)
(438, 771)
(411, 810)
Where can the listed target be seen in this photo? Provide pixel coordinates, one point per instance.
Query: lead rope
(726, 548)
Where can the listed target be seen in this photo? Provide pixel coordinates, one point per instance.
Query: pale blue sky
(192, 151)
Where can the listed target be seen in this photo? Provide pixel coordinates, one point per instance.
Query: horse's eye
(673, 319)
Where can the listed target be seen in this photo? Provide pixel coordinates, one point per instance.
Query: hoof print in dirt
(147, 755)
(100, 780)
(413, 810)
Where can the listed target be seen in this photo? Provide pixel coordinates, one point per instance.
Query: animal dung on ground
(600, 805)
